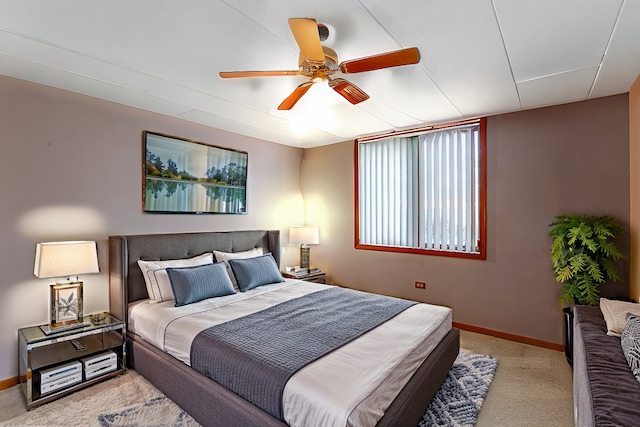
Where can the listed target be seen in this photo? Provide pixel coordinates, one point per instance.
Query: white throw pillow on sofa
(615, 314)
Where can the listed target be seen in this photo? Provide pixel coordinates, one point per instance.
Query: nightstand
(316, 277)
(56, 364)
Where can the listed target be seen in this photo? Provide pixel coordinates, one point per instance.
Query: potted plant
(583, 254)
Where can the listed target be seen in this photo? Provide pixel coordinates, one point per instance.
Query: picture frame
(66, 303)
(182, 176)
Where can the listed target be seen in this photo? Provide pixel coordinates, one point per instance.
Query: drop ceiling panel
(461, 48)
(407, 89)
(621, 65)
(547, 37)
(46, 56)
(562, 87)
(172, 42)
(394, 118)
(48, 76)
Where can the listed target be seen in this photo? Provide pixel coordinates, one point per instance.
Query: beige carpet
(532, 387)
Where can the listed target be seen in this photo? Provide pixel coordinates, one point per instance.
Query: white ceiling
(479, 58)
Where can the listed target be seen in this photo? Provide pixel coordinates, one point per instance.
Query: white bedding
(348, 387)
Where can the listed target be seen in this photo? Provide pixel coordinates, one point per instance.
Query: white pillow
(615, 314)
(226, 256)
(157, 279)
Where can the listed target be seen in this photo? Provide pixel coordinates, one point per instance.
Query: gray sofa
(605, 392)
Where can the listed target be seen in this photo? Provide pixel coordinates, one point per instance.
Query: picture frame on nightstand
(66, 303)
(66, 308)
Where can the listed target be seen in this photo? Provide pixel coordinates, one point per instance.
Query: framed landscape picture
(184, 176)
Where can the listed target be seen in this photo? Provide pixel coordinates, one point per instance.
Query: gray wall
(72, 169)
(570, 159)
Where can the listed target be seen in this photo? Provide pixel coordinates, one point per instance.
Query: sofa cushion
(614, 389)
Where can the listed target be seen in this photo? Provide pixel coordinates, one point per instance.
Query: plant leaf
(582, 254)
(564, 274)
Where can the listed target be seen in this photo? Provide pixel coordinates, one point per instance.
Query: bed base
(206, 401)
(211, 404)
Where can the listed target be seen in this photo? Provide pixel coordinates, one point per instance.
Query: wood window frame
(482, 222)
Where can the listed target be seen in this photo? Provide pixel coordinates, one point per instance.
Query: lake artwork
(183, 176)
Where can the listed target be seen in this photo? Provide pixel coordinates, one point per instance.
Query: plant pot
(568, 334)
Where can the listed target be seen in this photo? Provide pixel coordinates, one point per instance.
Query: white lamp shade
(60, 259)
(304, 235)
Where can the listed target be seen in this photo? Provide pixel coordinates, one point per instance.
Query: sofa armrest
(582, 403)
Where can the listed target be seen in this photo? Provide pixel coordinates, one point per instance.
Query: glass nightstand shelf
(54, 364)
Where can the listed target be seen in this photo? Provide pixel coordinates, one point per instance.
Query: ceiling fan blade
(396, 58)
(295, 96)
(348, 90)
(274, 73)
(305, 31)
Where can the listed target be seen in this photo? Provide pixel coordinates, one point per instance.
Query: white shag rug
(85, 406)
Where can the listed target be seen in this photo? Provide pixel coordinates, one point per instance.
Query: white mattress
(349, 387)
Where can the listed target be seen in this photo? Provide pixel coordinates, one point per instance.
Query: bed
(213, 404)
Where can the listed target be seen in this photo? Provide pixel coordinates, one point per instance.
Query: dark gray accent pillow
(253, 272)
(193, 284)
(630, 342)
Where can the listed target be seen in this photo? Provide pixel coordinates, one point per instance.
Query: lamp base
(305, 252)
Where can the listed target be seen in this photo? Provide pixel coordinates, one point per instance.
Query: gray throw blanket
(255, 355)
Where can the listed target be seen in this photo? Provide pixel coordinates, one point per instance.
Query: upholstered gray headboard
(126, 283)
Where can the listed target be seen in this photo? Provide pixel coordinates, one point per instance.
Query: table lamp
(304, 236)
(63, 260)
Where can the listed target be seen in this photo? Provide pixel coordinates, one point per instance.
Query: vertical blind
(421, 191)
(449, 161)
(388, 192)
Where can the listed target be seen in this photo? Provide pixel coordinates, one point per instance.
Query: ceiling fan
(319, 63)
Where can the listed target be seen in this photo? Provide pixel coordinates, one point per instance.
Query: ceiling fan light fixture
(318, 63)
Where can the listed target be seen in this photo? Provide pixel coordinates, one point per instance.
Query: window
(423, 191)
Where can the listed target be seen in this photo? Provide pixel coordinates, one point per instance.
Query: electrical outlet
(421, 285)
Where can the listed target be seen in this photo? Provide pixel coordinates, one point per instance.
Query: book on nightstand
(302, 272)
